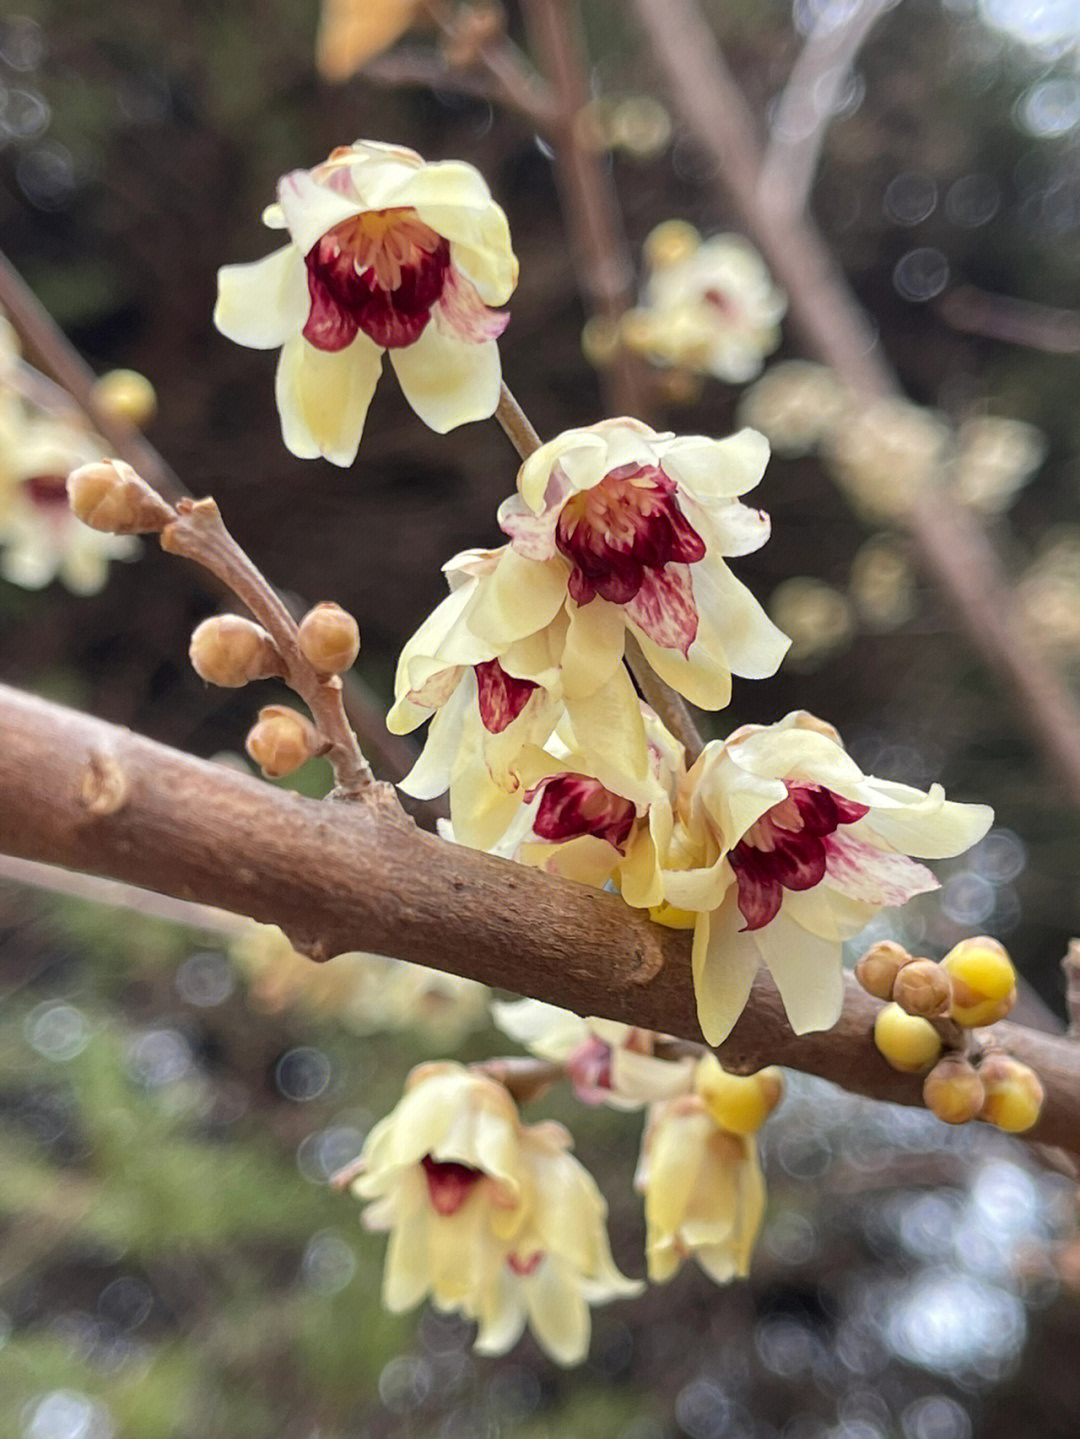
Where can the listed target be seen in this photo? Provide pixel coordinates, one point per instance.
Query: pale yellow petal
(323, 397)
(263, 304)
(449, 381)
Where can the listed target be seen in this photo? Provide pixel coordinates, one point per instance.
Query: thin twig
(516, 424)
(1071, 965)
(414, 66)
(516, 83)
(198, 533)
(1018, 322)
(670, 706)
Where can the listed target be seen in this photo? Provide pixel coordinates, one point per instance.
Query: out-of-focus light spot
(1001, 857)
(1046, 23)
(1006, 1200)
(786, 1347)
(921, 274)
(321, 1155)
(791, 1238)
(158, 1058)
(968, 898)
(511, 1395)
(1051, 108)
(910, 198)
(66, 1414)
(404, 1383)
(937, 1416)
(823, 16)
(973, 200)
(22, 43)
(46, 176)
(24, 114)
(949, 1321)
(329, 1263)
(927, 1224)
(57, 1031)
(702, 1410)
(126, 1302)
(303, 1074)
(205, 979)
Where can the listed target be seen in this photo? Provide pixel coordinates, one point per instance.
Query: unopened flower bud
(739, 1103)
(1014, 1095)
(670, 243)
(922, 987)
(229, 650)
(983, 981)
(281, 740)
(125, 395)
(108, 495)
(905, 1041)
(953, 1090)
(879, 966)
(329, 638)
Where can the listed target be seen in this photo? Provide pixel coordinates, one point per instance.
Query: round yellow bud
(601, 340)
(983, 981)
(739, 1103)
(879, 966)
(108, 495)
(953, 1090)
(329, 638)
(905, 1041)
(125, 395)
(281, 740)
(229, 650)
(1014, 1095)
(671, 242)
(922, 987)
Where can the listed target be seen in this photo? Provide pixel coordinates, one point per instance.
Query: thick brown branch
(361, 876)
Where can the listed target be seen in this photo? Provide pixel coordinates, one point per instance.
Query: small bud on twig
(879, 966)
(1014, 1094)
(125, 395)
(983, 981)
(922, 987)
(229, 650)
(953, 1090)
(329, 638)
(110, 496)
(905, 1041)
(281, 740)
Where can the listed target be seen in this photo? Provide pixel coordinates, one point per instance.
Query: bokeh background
(173, 1263)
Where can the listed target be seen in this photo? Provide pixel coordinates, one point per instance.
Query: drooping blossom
(707, 306)
(782, 848)
(632, 528)
(886, 454)
(40, 538)
(703, 1187)
(493, 1219)
(794, 404)
(607, 1062)
(995, 458)
(386, 253)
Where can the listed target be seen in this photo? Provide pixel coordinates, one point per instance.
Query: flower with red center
(389, 254)
(781, 849)
(572, 805)
(493, 1218)
(708, 306)
(637, 525)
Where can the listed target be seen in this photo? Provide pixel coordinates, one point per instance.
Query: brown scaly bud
(329, 638)
(110, 496)
(922, 987)
(281, 740)
(229, 650)
(953, 1090)
(1014, 1094)
(879, 966)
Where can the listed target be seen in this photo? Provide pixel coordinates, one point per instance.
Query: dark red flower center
(449, 1183)
(501, 696)
(379, 272)
(47, 492)
(786, 848)
(525, 1265)
(722, 303)
(615, 531)
(573, 804)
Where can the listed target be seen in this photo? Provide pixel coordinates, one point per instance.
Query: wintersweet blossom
(632, 528)
(782, 849)
(607, 1062)
(708, 306)
(386, 253)
(494, 1219)
(703, 1187)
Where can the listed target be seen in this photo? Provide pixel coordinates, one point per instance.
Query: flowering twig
(198, 533)
(339, 878)
(670, 706)
(952, 545)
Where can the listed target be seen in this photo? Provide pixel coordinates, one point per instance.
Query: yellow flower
(386, 253)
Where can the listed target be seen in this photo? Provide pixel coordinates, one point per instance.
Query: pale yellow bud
(905, 1041)
(281, 740)
(739, 1103)
(329, 638)
(922, 987)
(1014, 1095)
(953, 1090)
(125, 395)
(229, 650)
(108, 495)
(983, 981)
(671, 242)
(601, 340)
(879, 966)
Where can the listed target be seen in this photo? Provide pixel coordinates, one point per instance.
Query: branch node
(105, 787)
